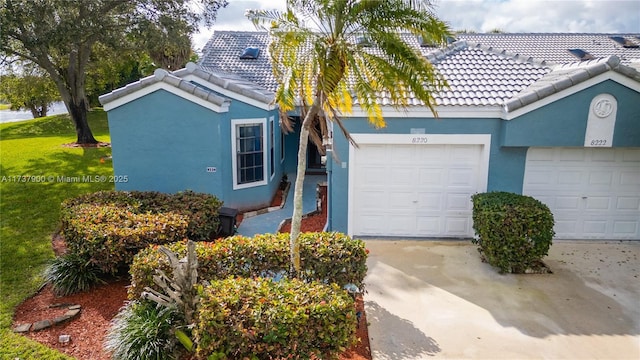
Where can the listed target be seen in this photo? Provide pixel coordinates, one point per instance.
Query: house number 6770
(419, 140)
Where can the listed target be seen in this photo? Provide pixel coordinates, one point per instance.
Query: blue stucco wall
(561, 123)
(564, 122)
(501, 167)
(165, 143)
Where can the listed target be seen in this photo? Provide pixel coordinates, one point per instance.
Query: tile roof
(161, 75)
(475, 76)
(489, 70)
(222, 53)
(234, 83)
(553, 47)
(566, 75)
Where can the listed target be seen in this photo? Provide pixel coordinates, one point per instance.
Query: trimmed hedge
(326, 258)
(514, 231)
(200, 210)
(242, 318)
(108, 228)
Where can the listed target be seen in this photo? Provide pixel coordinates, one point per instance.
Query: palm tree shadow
(405, 342)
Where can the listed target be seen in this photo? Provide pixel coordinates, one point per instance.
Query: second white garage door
(414, 190)
(594, 193)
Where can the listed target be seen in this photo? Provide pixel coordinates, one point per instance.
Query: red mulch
(102, 303)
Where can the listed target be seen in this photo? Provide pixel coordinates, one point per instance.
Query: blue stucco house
(193, 130)
(554, 116)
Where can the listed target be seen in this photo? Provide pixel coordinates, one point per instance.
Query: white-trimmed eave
(230, 94)
(609, 75)
(422, 112)
(161, 85)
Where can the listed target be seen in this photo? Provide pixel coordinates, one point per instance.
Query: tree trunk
(296, 219)
(78, 114)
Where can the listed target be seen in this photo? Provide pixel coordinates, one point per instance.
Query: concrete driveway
(436, 299)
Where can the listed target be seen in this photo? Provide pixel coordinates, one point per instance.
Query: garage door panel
(566, 202)
(601, 178)
(631, 178)
(373, 224)
(628, 228)
(429, 201)
(540, 178)
(372, 199)
(631, 155)
(457, 225)
(628, 203)
(401, 200)
(428, 225)
(595, 193)
(565, 226)
(570, 178)
(372, 172)
(595, 227)
(598, 203)
(401, 225)
(461, 177)
(571, 155)
(458, 202)
(403, 176)
(429, 176)
(432, 154)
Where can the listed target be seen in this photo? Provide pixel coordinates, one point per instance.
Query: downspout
(329, 167)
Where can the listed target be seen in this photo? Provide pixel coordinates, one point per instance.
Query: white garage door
(594, 193)
(414, 190)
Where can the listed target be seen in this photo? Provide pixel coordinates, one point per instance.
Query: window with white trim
(281, 142)
(272, 140)
(249, 153)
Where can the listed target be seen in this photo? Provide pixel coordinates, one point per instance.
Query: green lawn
(33, 163)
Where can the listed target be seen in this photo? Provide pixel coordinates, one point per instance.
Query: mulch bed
(102, 303)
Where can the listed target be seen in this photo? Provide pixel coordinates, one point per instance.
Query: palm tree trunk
(296, 219)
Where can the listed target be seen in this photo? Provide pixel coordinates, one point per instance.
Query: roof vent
(581, 54)
(626, 43)
(363, 40)
(426, 42)
(250, 53)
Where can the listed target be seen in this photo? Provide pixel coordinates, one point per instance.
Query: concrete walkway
(269, 222)
(436, 299)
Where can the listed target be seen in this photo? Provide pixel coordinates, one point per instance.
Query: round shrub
(265, 319)
(326, 258)
(141, 330)
(110, 236)
(514, 232)
(71, 273)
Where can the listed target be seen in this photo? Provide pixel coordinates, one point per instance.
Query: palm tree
(321, 66)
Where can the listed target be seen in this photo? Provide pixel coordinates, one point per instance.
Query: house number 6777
(419, 140)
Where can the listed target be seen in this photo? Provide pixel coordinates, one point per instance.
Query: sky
(602, 16)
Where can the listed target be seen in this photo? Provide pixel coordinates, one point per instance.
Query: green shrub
(71, 273)
(141, 330)
(513, 231)
(332, 257)
(110, 227)
(110, 236)
(264, 319)
(200, 210)
(326, 257)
